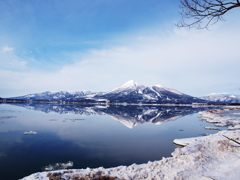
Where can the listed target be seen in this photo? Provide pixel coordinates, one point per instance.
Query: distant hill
(222, 98)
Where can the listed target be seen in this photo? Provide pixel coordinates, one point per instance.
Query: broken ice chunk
(29, 133)
(58, 166)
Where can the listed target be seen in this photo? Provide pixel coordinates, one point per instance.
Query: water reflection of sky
(88, 141)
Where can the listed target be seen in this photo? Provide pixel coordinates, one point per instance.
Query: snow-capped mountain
(130, 92)
(222, 98)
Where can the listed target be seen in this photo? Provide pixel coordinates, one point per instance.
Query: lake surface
(90, 136)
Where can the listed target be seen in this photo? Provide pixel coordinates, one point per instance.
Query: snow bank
(216, 156)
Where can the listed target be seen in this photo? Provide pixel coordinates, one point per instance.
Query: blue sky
(98, 45)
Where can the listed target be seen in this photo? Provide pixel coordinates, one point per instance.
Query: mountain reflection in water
(130, 116)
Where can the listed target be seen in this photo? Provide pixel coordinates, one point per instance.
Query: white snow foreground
(209, 157)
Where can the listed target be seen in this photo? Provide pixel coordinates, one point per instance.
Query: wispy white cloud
(186, 60)
(7, 49)
(194, 62)
(9, 60)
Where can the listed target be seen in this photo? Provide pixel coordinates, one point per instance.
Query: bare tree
(202, 13)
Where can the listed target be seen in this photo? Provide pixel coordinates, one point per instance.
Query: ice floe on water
(211, 128)
(30, 133)
(216, 156)
(58, 166)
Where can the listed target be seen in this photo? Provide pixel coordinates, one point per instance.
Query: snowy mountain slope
(222, 98)
(130, 92)
(161, 88)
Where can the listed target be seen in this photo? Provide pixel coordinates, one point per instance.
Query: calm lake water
(90, 136)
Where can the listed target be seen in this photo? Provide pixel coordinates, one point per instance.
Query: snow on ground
(216, 156)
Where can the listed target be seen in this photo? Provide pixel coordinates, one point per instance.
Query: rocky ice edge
(216, 156)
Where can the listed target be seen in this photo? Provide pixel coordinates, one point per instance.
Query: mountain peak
(130, 85)
(158, 85)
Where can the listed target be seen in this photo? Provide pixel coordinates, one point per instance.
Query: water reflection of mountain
(130, 116)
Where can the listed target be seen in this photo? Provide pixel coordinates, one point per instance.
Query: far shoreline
(17, 101)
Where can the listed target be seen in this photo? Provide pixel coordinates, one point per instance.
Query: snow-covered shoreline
(223, 117)
(216, 156)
